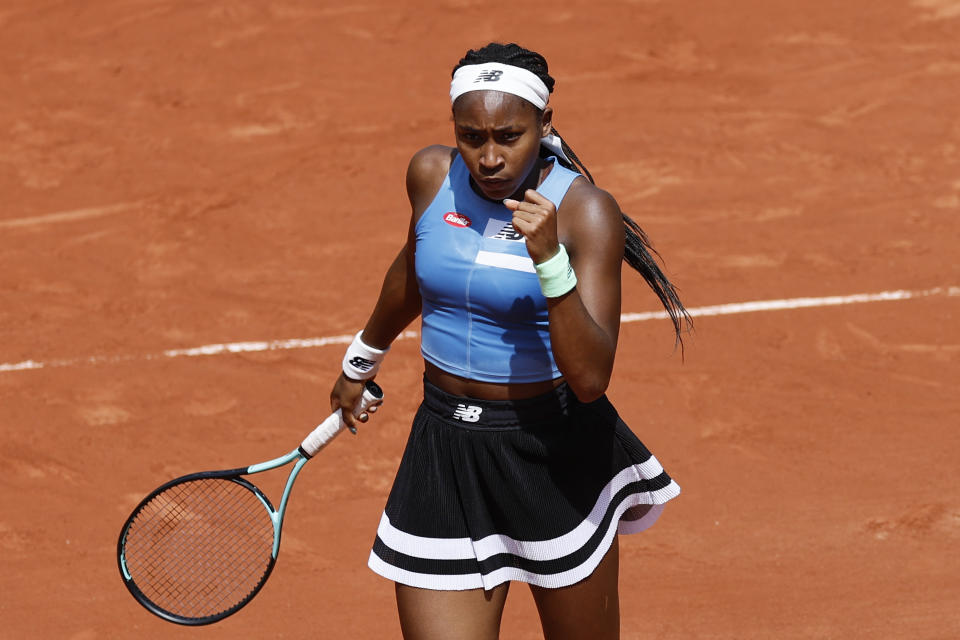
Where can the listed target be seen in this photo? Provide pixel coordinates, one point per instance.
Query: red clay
(175, 174)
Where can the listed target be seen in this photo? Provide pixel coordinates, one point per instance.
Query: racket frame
(300, 455)
(230, 475)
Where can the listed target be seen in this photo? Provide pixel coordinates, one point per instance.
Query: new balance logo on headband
(467, 413)
(489, 76)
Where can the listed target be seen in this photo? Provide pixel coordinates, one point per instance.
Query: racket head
(199, 547)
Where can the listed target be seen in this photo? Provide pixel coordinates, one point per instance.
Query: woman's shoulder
(590, 219)
(593, 206)
(429, 162)
(439, 153)
(426, 172)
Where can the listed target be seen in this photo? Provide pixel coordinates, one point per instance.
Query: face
(498, 136)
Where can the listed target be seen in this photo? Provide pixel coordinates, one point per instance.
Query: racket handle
(333, 425)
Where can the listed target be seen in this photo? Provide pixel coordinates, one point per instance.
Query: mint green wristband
(556, 275)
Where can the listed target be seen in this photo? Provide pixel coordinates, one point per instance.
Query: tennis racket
(200, 547)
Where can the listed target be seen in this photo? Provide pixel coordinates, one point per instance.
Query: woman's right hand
(346, 395)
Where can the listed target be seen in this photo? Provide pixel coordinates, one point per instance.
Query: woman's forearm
(583, 350)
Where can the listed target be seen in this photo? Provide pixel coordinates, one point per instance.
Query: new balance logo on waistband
(489, 76)
(467, 413)
(362, 364)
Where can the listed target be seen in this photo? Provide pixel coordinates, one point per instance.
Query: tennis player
(518, 468)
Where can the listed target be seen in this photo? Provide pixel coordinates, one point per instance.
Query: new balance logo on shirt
(499, 255)
(508, 232)
(467, 413)
(500, 229)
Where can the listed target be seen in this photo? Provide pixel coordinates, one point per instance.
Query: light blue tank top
(484, 316)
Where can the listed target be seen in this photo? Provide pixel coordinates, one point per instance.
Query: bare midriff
(487, 390)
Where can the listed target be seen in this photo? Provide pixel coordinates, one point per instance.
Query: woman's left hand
(536, 219)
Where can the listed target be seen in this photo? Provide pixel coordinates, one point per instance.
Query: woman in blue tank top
(518, 468)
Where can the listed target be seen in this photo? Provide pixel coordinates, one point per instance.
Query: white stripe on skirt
(466, 548)
(537, 550)
(571, 576)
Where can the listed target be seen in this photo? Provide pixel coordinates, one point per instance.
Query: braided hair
(638, 251)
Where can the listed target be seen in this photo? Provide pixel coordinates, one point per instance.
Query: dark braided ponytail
(638, 251)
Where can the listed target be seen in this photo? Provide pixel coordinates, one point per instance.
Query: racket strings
(200, 547)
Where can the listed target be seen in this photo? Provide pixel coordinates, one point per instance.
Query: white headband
(495, 76)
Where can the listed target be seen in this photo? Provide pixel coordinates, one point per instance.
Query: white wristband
(361, 362)
(556, 275)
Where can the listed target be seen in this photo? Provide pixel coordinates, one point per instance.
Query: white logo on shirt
(506, 231)
(498, 254)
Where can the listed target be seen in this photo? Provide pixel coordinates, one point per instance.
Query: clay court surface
(178, 174)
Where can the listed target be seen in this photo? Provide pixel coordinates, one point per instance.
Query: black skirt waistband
(474, 413)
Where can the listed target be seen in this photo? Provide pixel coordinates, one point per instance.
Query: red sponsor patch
(456, 219)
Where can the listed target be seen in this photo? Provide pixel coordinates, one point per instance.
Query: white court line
(309, 343)
(69, 216)
(797, 303)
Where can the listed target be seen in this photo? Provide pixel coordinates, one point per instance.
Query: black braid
(575, 162)
(638, 252)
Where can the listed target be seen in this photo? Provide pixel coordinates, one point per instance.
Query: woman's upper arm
(592, 231)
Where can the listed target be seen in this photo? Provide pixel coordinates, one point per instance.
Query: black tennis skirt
(530, 490)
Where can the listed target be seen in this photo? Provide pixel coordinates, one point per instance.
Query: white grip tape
(333, 425)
